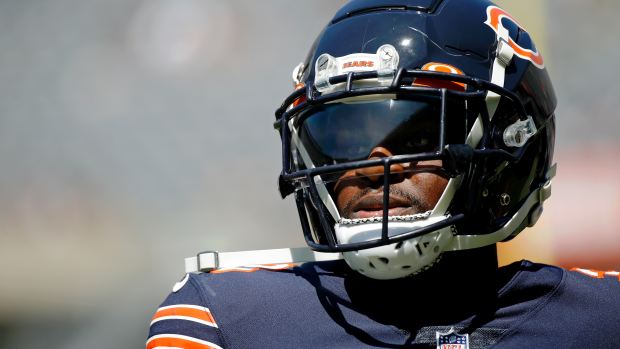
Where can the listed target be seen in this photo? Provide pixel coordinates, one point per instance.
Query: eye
(417, 143)
(421, 141)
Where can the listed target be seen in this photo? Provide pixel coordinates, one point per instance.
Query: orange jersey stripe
(253, 268)
(178, 341)
(598, 274)
(189, 312)
(239, 270)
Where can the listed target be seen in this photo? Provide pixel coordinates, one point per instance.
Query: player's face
(414, 188)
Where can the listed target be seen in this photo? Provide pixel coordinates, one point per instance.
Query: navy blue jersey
(324, 305)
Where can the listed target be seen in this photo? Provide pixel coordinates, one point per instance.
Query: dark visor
(343, 132)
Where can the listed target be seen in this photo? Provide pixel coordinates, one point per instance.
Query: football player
(419, 135)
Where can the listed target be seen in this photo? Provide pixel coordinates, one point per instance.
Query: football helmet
(455, 83)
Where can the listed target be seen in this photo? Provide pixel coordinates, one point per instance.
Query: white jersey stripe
(191, 306)
(588, 272)
(187, 318)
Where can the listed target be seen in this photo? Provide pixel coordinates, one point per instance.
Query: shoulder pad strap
(212, 260)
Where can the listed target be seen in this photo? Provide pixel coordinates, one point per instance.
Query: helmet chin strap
(503, 57)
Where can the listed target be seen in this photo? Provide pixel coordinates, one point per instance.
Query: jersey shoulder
(584, 298)
(598, 289)
(185, 320)
(577, 282)
(562, 308)
(220, 308)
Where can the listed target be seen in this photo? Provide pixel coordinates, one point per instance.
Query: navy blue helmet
(451, 88)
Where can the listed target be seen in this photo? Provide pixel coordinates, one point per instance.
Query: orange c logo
(494, 20)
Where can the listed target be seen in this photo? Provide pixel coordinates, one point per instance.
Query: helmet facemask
(328, 141)
(331, 146)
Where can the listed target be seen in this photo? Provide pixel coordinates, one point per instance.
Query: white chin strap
(399, 259)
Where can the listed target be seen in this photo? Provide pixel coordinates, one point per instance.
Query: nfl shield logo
(452, 340)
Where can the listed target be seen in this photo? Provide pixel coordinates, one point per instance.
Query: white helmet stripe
(320, 185)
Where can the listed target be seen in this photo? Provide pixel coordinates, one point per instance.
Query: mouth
(372, 206)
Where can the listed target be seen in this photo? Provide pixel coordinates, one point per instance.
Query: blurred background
(134, 133)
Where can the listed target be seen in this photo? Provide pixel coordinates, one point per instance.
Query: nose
(375, 173)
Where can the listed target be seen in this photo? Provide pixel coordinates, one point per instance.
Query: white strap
(320, 184)
(503, 58)
(211, 260)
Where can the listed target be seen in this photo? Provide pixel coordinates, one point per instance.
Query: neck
(477, 264)
(462, 284)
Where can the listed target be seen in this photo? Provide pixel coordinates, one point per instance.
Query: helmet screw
(485, 192)
(504, 199)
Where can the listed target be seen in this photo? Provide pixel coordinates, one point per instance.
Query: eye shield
(344, 132)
